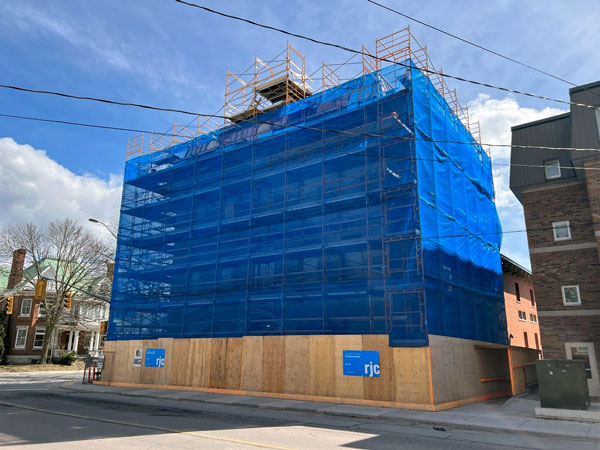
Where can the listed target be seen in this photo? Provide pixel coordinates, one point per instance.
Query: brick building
(521, 307)
(560, 194)
(78, 330)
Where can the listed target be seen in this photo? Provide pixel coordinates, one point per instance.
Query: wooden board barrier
(233, 366)
(449, 372)
(322, 366)
(218, 363)
(297, 365)
(252, 363)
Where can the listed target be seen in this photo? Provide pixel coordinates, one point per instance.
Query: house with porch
(78, 330)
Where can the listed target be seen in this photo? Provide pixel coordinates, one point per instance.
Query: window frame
(548, 164)
(565, 303)
(522, 315)
(23, 300)
(532, 295)
(38, 329)
(21, 347)
(558, 224)
(517, 292)
(532, 318)
(41, 306)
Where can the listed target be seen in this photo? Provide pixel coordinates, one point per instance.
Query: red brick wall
(515, 326)
(31, 322)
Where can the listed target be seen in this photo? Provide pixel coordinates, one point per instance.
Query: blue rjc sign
(359, 363)
(155, 357)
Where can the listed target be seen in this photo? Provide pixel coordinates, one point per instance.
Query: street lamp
(105, 226)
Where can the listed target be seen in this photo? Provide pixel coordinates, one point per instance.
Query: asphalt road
(36, 413)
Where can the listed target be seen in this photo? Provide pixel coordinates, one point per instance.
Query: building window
(526, 339)
(518, 292)
(552, 169)
(562, 230)
(523, 316)
(533, 318)
(42, 310)
(570, 295)
(38, 339)
(25, 307)
(537, 341)
(21, 338)
(532, 296)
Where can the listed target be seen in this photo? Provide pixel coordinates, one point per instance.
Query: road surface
(35, 412)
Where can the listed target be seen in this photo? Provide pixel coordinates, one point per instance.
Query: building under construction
(311, 229)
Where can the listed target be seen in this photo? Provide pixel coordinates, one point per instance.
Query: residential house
(78, 330)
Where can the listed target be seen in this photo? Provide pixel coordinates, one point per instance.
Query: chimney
(16, 270)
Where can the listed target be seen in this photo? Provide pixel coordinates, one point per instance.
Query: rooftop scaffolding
(270, 84)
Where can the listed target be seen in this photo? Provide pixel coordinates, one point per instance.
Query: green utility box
(562, 384)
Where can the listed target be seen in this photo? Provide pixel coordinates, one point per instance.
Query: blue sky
(160, 52)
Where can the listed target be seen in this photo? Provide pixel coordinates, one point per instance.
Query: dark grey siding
(551, 132)
(584, 124)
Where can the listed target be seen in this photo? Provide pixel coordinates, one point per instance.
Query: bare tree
(75, 255)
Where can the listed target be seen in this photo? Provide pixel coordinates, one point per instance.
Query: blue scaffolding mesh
(353, 211)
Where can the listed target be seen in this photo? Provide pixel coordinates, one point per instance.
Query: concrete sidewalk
(516, 414)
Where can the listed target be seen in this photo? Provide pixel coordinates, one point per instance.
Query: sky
(160, 52)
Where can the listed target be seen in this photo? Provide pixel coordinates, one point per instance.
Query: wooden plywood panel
(218, 363)
(134, 373)
(234, 363)
(180, 361)
(123, 362)
(297, 364)
(519, 357)
(273, 377)
(459, 365)
(411, 375)
(347, 386)
(252, 363)
(322, 366)
(120, 362)
(382, 388)
(199, 364)
(163, 374)
(147, 374)
(110, 348)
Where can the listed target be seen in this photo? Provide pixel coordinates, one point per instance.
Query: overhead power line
(466, 41)
(219, 116)
(360, 52)
(108, 127)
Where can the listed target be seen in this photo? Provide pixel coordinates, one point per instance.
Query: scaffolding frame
(283, 80)
(273, 83)
(262, 229)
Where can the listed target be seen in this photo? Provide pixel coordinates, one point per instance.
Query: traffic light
(9, 305)
(103, 327)
(68, 296)
(40, 289)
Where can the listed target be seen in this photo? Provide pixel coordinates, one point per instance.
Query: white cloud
(35, 188)
(496, 118)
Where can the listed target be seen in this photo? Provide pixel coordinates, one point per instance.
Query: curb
(332, 409)
(78, 372)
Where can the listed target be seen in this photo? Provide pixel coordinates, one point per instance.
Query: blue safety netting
(324, 216)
